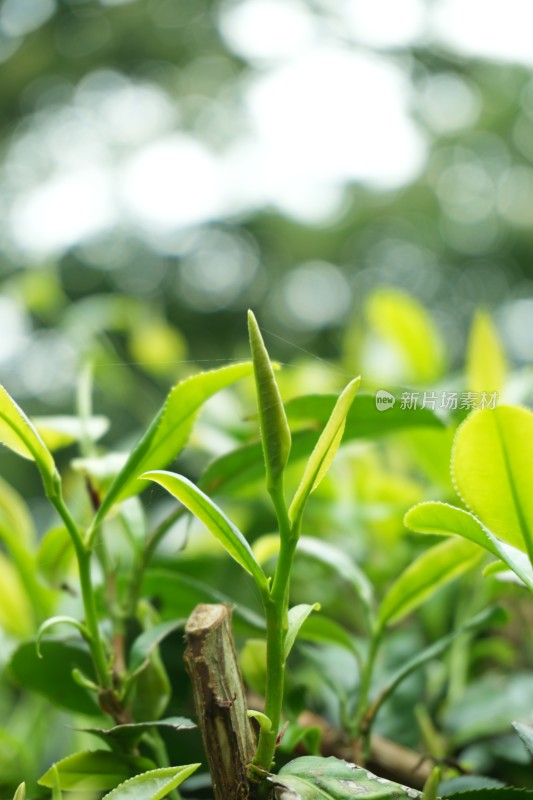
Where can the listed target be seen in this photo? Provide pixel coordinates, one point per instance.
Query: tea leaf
(15, 516)
(433, 569)
(169, 430)
(55, 555)
(51, 676)
(275, 433)
(441, 518)
(20, 794)
(486, 365)
(125, 736)
(525, 731)
(16, 615)
(94, 770)
(213, 518)
(325, 449)
(61, 431)
(19, 434)
(407, 328)
(153, 785)
(297, 616)
(492, 465)
(146, 643)
(312, 777)
(333, 557)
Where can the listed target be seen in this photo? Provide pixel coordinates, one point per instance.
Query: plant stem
(83, 555)
(276, 605)
(359, 729)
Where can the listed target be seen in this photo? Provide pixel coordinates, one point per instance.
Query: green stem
(83, 555)
(358, 728)
(276, 605)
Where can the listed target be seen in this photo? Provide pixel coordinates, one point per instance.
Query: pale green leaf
(492, 465)
(19, 434)
(429, 572)
(275, 433)
(170, 429)
(213, 518)
(16, 615)
(94, 770)
(315, 778)
(61, 431)
(431, 785)
(153, 785)
(20, 794)
(297, 616)
(323, 454)
(486, 365)
(407, 328)
(15, 515)
(441, 518)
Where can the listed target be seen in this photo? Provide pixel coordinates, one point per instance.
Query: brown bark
(220, 700)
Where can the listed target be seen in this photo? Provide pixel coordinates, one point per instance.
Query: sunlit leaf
(429, 572)
(55, 555)
(486, 365)
(170, 429)
(405, 325)
(15, 515)
(492, 466)
(153, 785)
(94, 770)
(58, 432)
(441, 518)
(19, 434)
(16, 615)
(213, 518)
(322, 456)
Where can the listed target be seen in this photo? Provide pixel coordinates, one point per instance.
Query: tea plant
(116, 666)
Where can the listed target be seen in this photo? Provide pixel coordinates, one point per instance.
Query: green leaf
(506, 793)
(51, 676)
(15, 516)
(213, 518)
(429, 572)
(297, 616)
(431, 785)
(333, 557)
(487, 618)
(150, 690)
(61, 431)
(19, 434)
(405, 325)
(125, 736)
(324, 452)
(492, 465)
(275, 433)
(324, 630)
(525, 731)
(486, 365)
(60, 620)
(244, 465)
(55, 555)
(94, 770)
(314, 778)
(56, 783)
(16, 614)
(145, 644)
(169, 430)
(20, 794)
(441, 518)
(153, 785)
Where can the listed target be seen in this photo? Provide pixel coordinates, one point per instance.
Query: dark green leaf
(147, 642)
(314, 778)
(51, 676)
(525, 731)
(125, 736)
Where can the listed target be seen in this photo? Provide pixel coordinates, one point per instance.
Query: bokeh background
(165, 164)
